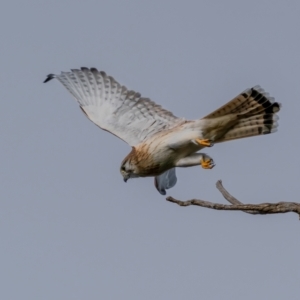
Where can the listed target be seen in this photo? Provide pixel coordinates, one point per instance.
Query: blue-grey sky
(69, 226)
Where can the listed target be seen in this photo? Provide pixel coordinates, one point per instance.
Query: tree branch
(263, 208)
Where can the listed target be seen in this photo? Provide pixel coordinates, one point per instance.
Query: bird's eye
(123, 168)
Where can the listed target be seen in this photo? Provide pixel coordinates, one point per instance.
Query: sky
(70, 228)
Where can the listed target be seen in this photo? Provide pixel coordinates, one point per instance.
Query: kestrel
(161, 141)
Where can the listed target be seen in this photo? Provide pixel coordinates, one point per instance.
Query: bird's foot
(204, 142)
(207, 162)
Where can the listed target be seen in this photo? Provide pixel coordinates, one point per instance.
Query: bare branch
(263, 208)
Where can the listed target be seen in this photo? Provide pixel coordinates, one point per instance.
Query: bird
(160, 142)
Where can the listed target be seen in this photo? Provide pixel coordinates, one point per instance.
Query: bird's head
(128, 168)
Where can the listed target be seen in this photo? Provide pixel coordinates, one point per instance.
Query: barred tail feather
(256, 112)
(243, 132)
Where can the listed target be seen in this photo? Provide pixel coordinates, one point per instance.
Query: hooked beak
(125, 179)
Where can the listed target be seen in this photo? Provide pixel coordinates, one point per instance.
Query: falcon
(161, 141)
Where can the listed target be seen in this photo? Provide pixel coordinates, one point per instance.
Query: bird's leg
(195, 159)
(204, 142)
(206, 162)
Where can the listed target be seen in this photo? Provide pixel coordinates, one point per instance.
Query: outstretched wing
(114, 108)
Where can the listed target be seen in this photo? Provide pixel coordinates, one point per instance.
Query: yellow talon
(207, 162)
(205, 142)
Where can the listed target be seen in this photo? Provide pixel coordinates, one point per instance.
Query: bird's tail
(256, 111)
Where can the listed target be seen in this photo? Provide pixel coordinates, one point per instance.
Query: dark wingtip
(49, 77)
(94, 70)
(162, 192)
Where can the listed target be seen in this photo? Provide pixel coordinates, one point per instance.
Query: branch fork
(254, 209)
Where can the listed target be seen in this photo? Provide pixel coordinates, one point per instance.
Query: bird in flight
(161, 141)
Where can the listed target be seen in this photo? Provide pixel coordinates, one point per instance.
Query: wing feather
(165, 181)
(114, 108)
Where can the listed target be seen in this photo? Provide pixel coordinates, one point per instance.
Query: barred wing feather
(114, 108)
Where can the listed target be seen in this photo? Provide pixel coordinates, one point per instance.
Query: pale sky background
(69, 226)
